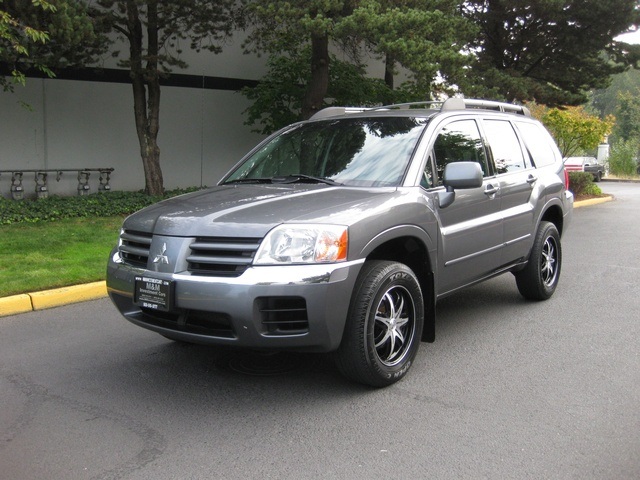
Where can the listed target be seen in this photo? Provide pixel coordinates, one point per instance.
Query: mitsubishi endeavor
(341, 233)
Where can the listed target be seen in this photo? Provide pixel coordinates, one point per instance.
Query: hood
(253, 210)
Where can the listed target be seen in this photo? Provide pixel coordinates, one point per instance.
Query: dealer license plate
(153, 293)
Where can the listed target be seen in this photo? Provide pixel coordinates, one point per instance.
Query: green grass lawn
(43, 255)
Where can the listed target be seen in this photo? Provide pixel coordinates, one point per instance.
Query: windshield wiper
(300, 177)
(247, 180)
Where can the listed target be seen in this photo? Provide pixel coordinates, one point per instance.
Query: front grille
(283, 315)
(134, 247)
(221, 257)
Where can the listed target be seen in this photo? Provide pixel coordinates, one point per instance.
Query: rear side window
(540, 144)
(505, 146)
(459, 142)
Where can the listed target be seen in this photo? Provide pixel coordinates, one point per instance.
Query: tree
(153, 31)
(623, 158)
(549, 51)
(45, 35)
(277, 99)
(574, 130)
(628, 116)
(287, 27)
(423, 36)
(605, 101)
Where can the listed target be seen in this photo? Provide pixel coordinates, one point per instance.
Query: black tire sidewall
(376, 278)
(529, 279)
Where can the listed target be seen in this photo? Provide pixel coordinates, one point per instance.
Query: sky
(632, 37)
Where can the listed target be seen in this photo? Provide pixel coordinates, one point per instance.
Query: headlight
(303, 244)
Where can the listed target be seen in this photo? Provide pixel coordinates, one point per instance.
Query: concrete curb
(620, 180)
(592, 201)
(57, 297)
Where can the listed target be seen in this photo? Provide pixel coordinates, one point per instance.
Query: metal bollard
(83, 182)
(104, 186)
(17, 191)
(42, 191)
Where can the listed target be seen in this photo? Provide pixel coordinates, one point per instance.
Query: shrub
(581, 183)
(106, 204)
(623, 158)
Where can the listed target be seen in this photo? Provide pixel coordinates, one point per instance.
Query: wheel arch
(414, 248)
(553, 214)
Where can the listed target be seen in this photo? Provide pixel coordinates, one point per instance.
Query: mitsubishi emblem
(162, 258)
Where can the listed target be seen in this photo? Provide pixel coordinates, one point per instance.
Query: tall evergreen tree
(45, 35)
(425, 37)
(550, 51)
(281, 26)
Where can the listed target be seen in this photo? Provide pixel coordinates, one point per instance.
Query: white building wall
(85, 124)
(82, 124)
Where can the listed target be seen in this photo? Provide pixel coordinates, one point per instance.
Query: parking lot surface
(510, 388)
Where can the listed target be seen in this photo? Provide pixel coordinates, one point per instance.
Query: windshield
(356, 152)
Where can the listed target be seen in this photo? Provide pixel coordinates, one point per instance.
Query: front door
(472, 231)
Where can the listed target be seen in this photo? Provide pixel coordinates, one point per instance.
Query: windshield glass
(355, 152)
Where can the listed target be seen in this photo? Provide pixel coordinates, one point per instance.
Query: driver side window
(457, 142)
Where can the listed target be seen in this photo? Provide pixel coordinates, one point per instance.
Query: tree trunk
(319, 83)
(146, 93)
(389, 70)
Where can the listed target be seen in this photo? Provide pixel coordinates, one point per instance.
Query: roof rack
(401, 106)
(450, 104)
(464, 103)
(335, 111)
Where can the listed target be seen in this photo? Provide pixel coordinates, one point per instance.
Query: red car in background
(585, 164)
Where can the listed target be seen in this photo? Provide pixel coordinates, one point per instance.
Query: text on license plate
(153, 293)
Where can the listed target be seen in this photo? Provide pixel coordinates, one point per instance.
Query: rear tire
(384, 325)
(539, 278)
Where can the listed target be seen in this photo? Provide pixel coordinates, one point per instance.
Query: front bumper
(301, 307)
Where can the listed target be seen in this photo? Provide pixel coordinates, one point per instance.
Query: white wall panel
(76, 124)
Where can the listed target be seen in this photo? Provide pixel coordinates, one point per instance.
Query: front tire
(539, 279)
(384, 326)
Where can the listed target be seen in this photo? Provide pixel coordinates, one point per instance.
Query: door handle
(491, 190)
(531, 179)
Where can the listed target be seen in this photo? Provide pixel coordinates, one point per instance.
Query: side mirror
(459, 175)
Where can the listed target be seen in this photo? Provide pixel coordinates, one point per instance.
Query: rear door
(516, 178)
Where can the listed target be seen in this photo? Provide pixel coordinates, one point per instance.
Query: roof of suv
(426, 108)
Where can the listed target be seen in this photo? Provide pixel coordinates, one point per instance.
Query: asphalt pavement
(511, 389)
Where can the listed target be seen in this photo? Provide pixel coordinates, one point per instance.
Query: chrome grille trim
(134, 247)
(218, 256)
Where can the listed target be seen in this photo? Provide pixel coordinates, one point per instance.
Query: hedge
(581, 183)
(105, 204)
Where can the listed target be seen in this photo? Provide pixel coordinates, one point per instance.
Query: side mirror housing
(459, 175)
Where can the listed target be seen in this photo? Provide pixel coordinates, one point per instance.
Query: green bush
(581, 183)
(105, 204)
(623, 158)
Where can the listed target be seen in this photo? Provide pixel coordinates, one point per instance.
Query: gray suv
(339, 234)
